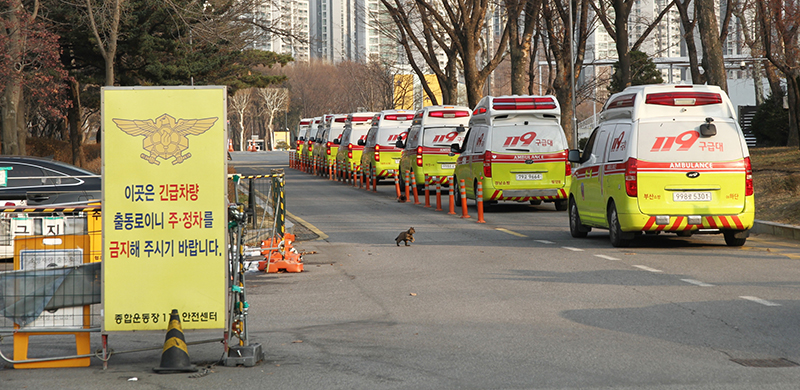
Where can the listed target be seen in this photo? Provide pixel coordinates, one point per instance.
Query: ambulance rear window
(679, 141)
(539, 138)
(442, 137)
(388, 136)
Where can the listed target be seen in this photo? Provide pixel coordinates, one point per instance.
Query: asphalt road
(514, 303)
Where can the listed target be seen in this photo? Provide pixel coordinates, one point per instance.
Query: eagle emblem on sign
(165, 137)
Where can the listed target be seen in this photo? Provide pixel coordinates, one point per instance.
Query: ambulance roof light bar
(340, 120)
(448, 114)
(683, 98)
(361, 118)
(523, 103)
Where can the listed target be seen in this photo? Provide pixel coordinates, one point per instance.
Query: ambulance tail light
(524, 103)
(567, 166)
(377, 153)
(349, 150)
(487, 164)
(340, 120)
(328, 147)
(448, 114)
(300, 142)
(631, 187)
(419, 156)
(748, 177)
(683, 98)
(479, 110)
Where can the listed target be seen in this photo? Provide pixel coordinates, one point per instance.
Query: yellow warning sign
(164, 211)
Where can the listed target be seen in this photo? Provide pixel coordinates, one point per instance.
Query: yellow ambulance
(380, 150)
(664, 158)
(354, 134)
(330, 137)
(516, 145)
(302, 134)
(308, 149)
(427, 150)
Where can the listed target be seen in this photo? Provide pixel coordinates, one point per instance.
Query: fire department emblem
(165, 137)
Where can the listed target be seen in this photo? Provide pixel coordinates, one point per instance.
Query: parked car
(34, 181)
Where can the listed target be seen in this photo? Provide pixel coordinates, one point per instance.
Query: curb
(791, 232)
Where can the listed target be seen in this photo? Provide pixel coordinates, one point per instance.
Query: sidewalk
(791, 232)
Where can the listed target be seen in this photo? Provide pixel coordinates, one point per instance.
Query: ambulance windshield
(442, 137)
(539, 138)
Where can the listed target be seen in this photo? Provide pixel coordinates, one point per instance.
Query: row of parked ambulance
(664, 158)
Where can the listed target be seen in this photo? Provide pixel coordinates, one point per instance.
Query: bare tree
(464, 23)
(240, 103)
(780, 22)
(618, 31)
(519, 39)
(273, 100)
(428, 43)
(556, 16)
(104, 22)
(713, 61)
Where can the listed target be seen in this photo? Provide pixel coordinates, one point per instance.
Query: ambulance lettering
(526, 139)
(449, 137)
(479, 141)
(711, 146)
(686, 140)
(619, 143)
(691, 165)
(395, 137)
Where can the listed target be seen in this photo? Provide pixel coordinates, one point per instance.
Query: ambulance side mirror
(337, 141)
(361, 142)
(708, 129)
(456, 149)
(400, 144)
(574, 156)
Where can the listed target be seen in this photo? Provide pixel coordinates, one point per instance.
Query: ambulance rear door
(680, 172)
(528, 154)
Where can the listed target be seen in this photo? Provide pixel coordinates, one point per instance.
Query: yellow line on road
(510, 232)
(322, 236)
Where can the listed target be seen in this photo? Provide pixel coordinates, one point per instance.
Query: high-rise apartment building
(291, 16)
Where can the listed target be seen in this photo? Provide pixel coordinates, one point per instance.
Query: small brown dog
(405, 236)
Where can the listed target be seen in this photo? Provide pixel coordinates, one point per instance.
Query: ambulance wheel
(731, 240)
(536, 202)
(576, 229)
(561, 204)
(618, 238)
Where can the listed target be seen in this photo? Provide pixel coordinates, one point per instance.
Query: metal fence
(263, 199)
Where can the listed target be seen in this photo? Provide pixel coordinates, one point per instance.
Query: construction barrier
(264, 204)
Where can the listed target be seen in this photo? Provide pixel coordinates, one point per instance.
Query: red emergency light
(361, 118)
(622, 101)
(683, 98)
(524, 103)
(341, 120)
(448, 114)
(398, 117)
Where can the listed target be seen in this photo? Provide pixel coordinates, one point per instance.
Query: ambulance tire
(576, 229)
(619, 239)
(561, 204)
(731, 240)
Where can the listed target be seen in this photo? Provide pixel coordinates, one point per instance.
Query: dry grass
(776, 178)
(62, 151)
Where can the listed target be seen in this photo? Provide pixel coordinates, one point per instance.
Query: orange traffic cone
(175, 356)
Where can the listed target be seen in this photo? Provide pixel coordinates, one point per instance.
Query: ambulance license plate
(529, 176)
(448, 166)
(691, 196)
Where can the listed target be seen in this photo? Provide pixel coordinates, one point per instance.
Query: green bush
(771, 122)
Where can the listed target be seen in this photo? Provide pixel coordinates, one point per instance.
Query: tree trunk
(11, 100)
(621, 12)
(793, 97)
(713, 62)
(74, 120)
(688, 38)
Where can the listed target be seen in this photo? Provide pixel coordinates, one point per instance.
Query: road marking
(607, 257)
(697, 283)
(510, 232)
(761, 301)
(569, 248)
(646, 268)
(322, 236)
(545, 241)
